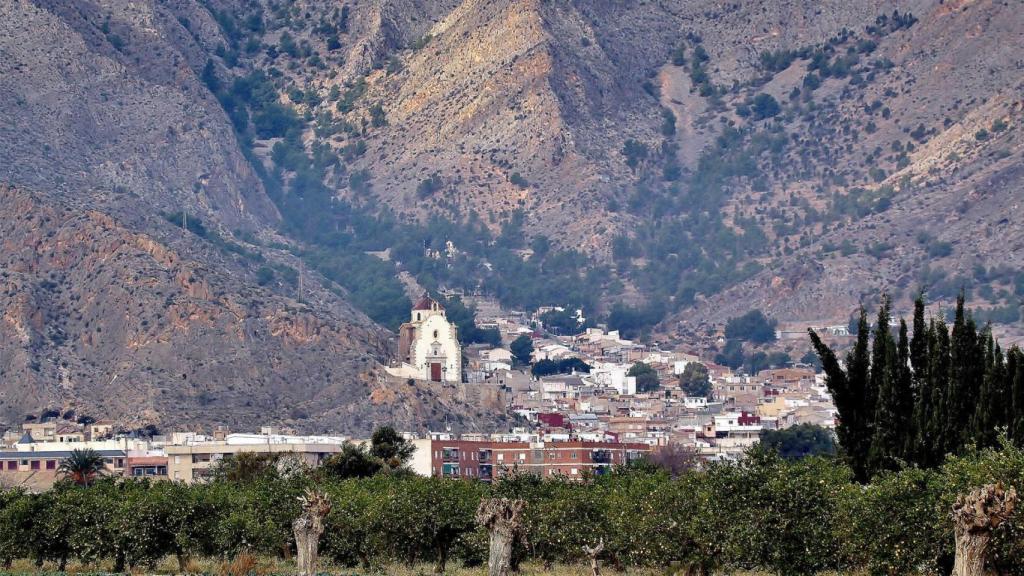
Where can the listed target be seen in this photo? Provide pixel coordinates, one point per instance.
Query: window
(573, 455)
(51, 464)
(12, 464)
(574, 471)
(435, 334)
(35, 465)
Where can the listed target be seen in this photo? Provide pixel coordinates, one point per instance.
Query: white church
(428, 345)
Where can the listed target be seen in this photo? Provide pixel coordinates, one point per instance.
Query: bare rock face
(110, 322)
(102, 97)
(506, 105)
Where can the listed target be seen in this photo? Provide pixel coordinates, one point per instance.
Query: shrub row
(763, 513)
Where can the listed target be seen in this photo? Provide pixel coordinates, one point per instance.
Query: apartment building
(490, 459)
(196, 458)
(38, 470)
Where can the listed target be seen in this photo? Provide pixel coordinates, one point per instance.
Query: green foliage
(564, 366)
(82, 466)
(800, 441)
(764, 513)
(464, 318)
(391, 447)
(354, 461)
(635, 152)
(518, 181)
(695, 380)
(522, 349)
(753, 326)
(646, 377)
(563, 323)
(764, 106)
(917, 398)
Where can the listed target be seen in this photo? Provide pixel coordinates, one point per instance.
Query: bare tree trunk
(975, 516)
(442, 560)
(592, 552)
(307, 528)
(182, 561)
(502, 517)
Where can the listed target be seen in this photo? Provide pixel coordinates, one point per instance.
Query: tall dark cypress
(1015, 371)
(858, 365)
(919, 346)
(939, 441)
(893, 409)
(849, 389)
(966, 359)
(988, 412)
(906, 394)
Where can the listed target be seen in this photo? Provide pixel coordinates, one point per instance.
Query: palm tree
(82, 466)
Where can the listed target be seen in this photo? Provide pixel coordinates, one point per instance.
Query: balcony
(601, 456)
(450, 455)
(484, 456)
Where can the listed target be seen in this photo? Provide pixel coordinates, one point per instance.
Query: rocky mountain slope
(109, 307)
(703, 158)
(164, 329)
(892, 145)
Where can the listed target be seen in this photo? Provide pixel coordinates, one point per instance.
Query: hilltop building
(428, 345)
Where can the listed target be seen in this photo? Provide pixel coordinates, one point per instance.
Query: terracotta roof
(427, 303)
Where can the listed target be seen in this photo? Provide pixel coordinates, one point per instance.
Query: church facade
(428, 345)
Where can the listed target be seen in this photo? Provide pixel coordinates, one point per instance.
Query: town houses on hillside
(588, 401)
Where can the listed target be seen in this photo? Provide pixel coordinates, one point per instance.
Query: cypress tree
(919, 399)
(1015, 371)
(988, 412)
(938, 375)
(919, 350)
(885, 435)
(849, 389)
(966, 356)
(893, 410)
(905, 394)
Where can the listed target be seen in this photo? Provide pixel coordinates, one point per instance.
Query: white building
(428, 345)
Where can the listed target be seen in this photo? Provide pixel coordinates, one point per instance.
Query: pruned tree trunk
(307, 528)
(502, 517)
(975, 516)
(442, 560)
(592, 552)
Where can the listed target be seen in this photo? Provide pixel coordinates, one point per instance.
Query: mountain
(654, 162)
(166, 329)
(143, 276)
(632, 132)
